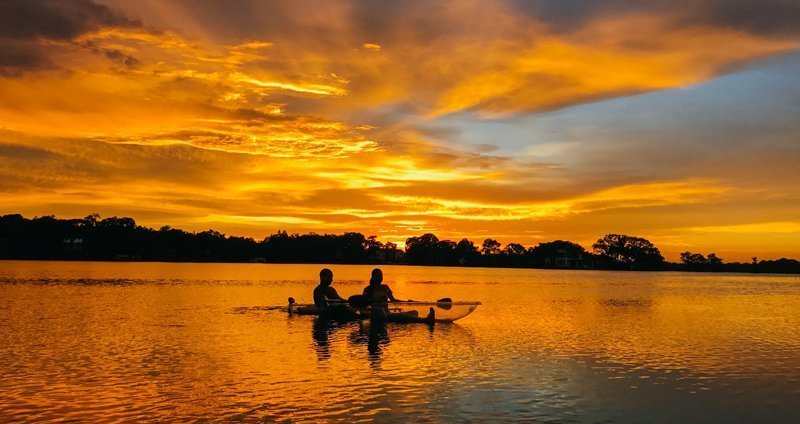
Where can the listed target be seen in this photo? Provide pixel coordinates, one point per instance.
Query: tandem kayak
(424, 312)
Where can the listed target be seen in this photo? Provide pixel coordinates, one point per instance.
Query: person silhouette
(376, 291)
(328, 301)
(379, 295)
(324, 293)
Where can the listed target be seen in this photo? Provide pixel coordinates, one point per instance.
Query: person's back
(378, 293)
(324, 293)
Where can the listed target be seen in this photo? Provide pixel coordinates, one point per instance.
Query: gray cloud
(56, 19)
(17, 56)
(19, 152)
(378, 18)
(24, 24)
(773, 17)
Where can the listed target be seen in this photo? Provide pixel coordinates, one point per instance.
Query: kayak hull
(398, 312)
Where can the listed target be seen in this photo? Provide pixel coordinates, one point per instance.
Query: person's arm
(333, 295)
(391, 295)
(320, 297)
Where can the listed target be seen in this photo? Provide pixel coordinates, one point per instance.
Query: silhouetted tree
(490, 247)
(548, 251)
(391, 253)
(47, 237)
(782, 265)
(550, 254)
(467, 253)
(445, 254)
(514, 255)
(373, 247)
(714, 262)
(422, 250)
(689, 258)
(371, 243)
(698, 262)
(92, 220)
(633, 252)
(514, 249)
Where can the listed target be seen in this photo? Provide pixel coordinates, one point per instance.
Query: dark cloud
(18, 56)
(26, 23)
(55, 19)
(376, 20)
(121, 58)
(19, 152)
(779, 17)
(773, 17)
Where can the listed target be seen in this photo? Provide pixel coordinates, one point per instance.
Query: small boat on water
(406, 312)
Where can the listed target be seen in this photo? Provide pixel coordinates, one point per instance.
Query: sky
(524, 121)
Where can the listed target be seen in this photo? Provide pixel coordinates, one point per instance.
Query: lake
(91, 341)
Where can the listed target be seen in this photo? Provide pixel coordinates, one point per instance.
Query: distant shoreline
(322, 264)
(120, 239)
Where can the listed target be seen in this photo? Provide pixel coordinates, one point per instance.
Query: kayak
(405, 312)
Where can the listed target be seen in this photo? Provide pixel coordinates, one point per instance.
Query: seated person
(376, 292)
(324, 294)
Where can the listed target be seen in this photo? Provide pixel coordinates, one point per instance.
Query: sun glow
(313, 124)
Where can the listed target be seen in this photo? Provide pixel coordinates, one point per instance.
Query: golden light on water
(198, 341)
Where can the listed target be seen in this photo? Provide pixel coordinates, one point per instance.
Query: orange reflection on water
(137, 341)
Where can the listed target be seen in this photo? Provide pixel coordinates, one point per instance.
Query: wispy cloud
(345, 115)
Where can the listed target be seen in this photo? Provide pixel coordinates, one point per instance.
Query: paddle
(359, 301)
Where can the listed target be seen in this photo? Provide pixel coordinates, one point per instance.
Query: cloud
(17, 57)
(28, 29)
(56, 19)
(771, 17)
(364, 115)
(498, 59)
(25, 153)
(297, 137)
(780, 227)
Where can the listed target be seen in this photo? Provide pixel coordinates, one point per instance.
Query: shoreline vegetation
(121, 239)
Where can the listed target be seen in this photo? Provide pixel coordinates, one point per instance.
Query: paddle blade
(444, 303)
(358, 301)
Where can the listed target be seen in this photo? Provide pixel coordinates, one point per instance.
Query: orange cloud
(306, 131)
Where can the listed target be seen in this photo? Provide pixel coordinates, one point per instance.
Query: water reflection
(376, 338)
(320, 332)
(176, 344)
(372, 334)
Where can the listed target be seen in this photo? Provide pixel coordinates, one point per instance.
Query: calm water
(183, 342)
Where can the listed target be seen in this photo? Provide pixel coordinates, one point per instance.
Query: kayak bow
(397, 311)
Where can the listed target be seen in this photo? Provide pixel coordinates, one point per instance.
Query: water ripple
(105, 344)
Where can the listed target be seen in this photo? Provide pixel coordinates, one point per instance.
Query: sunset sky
(527, 121)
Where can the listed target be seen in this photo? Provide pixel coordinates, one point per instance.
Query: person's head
(326, 277)
(377, 277)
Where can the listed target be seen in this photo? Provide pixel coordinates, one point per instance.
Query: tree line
(115, 238)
